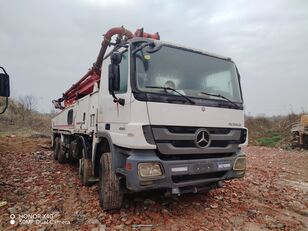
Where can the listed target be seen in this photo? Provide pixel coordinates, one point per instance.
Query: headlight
(149, 170)
(240, 164)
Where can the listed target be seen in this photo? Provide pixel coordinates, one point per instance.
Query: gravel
(272, 196)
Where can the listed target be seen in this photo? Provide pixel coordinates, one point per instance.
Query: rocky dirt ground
(37, 193)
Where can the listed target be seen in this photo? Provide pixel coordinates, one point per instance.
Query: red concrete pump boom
(86, 84)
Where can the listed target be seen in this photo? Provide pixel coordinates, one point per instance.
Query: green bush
(271, 139)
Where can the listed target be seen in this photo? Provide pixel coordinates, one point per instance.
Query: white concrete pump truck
(152, 115)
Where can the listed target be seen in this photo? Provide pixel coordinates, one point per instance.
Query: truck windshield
(188, 72)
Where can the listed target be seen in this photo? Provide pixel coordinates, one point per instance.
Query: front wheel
(110, 192)
(61, 155)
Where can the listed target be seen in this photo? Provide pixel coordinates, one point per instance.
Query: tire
(70, 154)
(305, 139)
(110, 192)
(61, 155)
(85, 170)
(57, 148)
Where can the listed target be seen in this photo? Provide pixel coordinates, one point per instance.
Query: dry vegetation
(22, 119)
(271, 131)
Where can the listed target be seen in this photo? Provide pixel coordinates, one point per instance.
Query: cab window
(123, 74)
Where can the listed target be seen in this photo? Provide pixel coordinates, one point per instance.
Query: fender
(113, 149)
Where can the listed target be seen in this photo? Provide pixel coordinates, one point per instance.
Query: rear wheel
(61, 155)
(57, 147)
(110, 192)
(85, 170)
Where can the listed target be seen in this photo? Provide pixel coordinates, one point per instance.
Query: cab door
(113, 115)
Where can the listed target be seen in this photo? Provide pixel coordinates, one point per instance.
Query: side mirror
(4, 84)
(114, 77)
(114, 71)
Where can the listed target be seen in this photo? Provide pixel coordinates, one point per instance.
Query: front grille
(181, 129)
(181, 140)
(182, 143)
(193, 156)
(220, 143)
(185, 178)
(191, 143)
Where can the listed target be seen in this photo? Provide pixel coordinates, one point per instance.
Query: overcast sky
(46, 46)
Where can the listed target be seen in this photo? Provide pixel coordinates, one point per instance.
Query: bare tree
(53, 111)
(28, 103)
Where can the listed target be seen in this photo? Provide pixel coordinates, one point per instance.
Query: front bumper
(180, 173)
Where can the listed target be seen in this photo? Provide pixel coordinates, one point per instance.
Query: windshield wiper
(151, 47)
(151, 43)
(221, 96)
(172, 89)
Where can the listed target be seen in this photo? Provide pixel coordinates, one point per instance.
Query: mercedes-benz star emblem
(203, 138)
